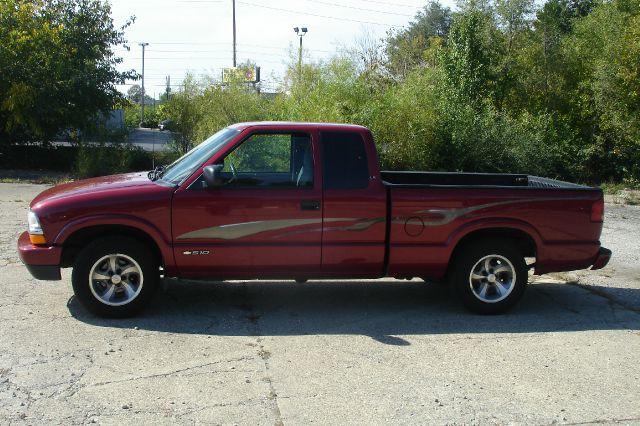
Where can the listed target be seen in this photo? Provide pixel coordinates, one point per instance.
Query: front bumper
(43, 262)
(601, 259)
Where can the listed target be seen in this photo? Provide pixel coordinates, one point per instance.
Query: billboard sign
(241, 74)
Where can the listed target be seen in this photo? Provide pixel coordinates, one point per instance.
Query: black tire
(496, 292)
(132, 290)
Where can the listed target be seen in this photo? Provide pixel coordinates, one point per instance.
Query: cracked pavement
(325, 352)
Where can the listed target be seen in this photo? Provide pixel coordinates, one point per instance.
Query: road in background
(148, 139)
(325, 352)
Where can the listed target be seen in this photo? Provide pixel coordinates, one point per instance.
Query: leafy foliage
(107, 159)
(497, 85)
(500, 86)
(58, 66)
(405, 48)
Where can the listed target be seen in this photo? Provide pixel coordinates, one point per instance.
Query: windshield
(183, 167)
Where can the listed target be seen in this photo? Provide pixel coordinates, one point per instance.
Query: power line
(164, 58)
(188, 43)
(195, 58)
(316, 15)
(185, 43)
(364, 1)
(358, 8)
(283, 48)
(224, 50)
(392, 3)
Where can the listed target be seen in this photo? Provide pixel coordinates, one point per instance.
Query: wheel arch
(79, 238)
(525, 239)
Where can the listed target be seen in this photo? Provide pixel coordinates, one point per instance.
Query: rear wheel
(115, 277)
(489, 276)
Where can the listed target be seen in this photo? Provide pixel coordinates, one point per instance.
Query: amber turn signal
(37, 239)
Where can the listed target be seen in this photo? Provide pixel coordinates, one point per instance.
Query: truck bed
(429, 212)
(431, 179)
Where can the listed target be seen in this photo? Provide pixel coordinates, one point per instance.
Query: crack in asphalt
(603, 421)
(191, 411)
(173, 372)
(611, 298)
(556, 301)
(73, 387)
(253, 319)
(21, 414)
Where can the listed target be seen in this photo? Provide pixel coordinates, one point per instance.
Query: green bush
(108, 159)
(152, 115)
(37, 157)
(85, 160)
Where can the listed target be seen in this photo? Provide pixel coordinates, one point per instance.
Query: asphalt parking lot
(330, 352)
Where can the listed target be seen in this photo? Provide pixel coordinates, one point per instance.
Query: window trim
(194, 185)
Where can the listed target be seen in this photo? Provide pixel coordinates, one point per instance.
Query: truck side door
(354, 206)
(264, 221)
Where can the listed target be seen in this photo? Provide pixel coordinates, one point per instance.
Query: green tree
(602, 52)
(222, 105)
(471, 57)
(58, 66)
(184, 110)
(134, 94)
(405, 48)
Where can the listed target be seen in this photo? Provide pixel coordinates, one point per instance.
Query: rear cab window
(345, 164)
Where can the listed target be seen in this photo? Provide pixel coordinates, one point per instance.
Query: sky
(197, 35)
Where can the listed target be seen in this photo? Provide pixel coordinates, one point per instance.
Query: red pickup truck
(300, 201)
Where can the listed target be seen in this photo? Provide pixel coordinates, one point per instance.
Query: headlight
(34, 224)
(36, 235)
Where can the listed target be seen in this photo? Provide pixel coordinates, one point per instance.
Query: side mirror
(212, 175)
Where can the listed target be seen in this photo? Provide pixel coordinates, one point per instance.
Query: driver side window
(270, 160)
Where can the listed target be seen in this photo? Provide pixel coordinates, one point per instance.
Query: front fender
(129, 221)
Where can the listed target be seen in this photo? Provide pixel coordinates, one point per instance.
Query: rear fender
(492, 224)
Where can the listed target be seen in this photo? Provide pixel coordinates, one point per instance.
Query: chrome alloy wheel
(115, 279)
(492, 278)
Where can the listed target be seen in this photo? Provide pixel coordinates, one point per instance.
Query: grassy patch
(614, 188)
(622, 193)
(34, 176)
(36, 181)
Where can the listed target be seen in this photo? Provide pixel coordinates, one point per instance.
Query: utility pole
(142, 97)
(300, 32)
(234, 33)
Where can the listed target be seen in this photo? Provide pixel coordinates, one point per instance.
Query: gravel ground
(331, 352)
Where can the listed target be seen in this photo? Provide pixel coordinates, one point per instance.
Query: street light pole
(300, 33)
(234, 33)
(142, 95)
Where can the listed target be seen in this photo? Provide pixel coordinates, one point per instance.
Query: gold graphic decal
(234, 231)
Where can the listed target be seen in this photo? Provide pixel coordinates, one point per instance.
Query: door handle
(310, 205)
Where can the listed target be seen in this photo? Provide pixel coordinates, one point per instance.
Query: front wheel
(489, 276)
(115, 277)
